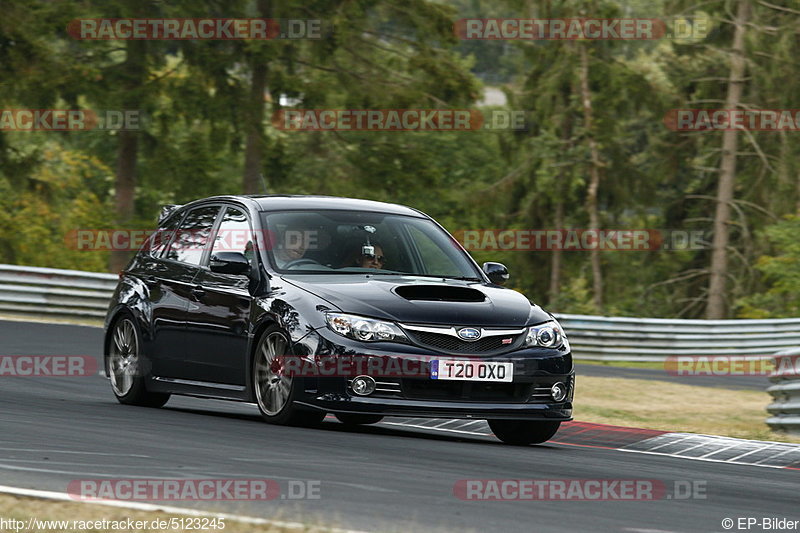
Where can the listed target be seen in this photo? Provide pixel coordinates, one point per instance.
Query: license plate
(471, 370)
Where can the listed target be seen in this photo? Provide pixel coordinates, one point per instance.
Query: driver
(373, 260)
(362, 257)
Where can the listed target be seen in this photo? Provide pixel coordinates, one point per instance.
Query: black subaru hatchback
(307, 305)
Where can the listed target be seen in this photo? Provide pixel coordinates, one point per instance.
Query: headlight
(547, 335)
(364, 329)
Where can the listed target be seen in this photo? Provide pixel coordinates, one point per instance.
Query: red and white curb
(717, 449)
(636, 440)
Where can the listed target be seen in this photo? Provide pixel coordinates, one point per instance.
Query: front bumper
(535, 371)
(441, 409)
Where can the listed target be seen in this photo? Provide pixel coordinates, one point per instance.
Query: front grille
(541, 394)
(476, 391)
(433, 389)
(450, 344)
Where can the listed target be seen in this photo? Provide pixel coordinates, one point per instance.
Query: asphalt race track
(385, 477)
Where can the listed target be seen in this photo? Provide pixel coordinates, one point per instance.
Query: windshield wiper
(462, 278)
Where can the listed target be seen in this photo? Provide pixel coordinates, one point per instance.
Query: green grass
(677, 407)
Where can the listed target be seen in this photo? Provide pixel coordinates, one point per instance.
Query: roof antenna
(263, 182)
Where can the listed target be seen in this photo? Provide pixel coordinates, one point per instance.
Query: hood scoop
(440, 293)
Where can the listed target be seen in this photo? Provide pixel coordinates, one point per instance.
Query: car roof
(290, 202)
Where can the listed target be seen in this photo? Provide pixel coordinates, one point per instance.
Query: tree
(593, 189)
(254, 119)
(717, 306)
(781, 270)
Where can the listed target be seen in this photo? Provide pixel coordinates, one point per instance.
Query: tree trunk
(557, 254)
(134, 71)
(253, 151)
(594, 179)
(555, 258)
(797, 206)
(716, 306)
(785, 159)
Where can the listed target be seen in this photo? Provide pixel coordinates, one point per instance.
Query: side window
(234, 234)
(160, 239)
(193, 236)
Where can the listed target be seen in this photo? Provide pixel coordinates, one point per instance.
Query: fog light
(558, 391)
(363, 385)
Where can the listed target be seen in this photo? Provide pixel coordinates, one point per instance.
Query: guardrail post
(785, 406)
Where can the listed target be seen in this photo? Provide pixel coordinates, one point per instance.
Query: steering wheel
(299, 262)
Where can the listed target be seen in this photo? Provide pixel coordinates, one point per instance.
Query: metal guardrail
(57, 293)
(655, 339)
(785, 406)
(76, 294)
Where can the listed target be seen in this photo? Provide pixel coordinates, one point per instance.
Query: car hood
(414, 299)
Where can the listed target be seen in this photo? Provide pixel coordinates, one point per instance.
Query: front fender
(291, 309)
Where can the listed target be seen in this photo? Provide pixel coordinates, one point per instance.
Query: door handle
(150, 280)
(198, 291)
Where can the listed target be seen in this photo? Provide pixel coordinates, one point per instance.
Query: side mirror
(496, 272)
(229, 263)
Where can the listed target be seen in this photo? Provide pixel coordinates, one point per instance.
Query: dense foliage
(207, 129)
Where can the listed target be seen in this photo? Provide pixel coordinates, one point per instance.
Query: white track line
(699, 458)
(733, 459)
(669, 442)
(149, 507)
(692, 447)
(471, 423)
(718, 451)
(433, 429)
(75, 452)
(53, 471)
(37, 320)
(776, 455)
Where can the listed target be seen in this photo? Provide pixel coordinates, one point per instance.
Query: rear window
(159, 241)
(193, 236)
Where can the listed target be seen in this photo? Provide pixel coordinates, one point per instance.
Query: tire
(357, 420)
(524, 432)
(274, 392)
(126, 366)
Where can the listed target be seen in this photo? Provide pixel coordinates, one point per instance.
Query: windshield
(353, 242)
